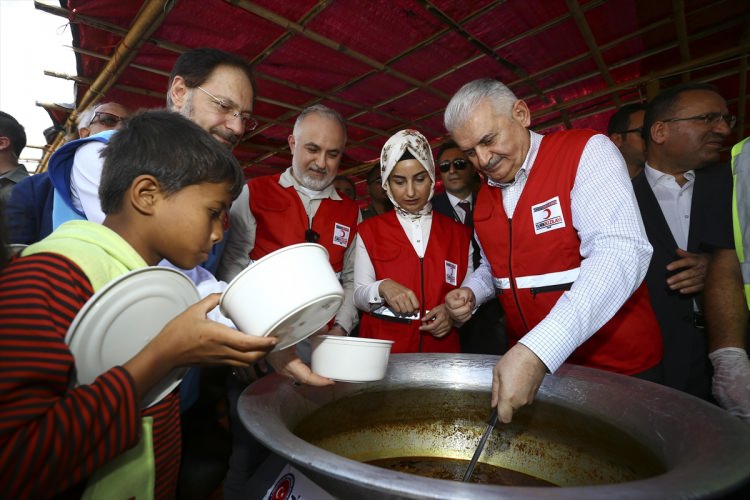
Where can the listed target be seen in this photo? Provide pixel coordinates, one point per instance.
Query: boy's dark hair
(195, 67)
(664, 104)
(10, 128)
(618, 122)
(176, 151)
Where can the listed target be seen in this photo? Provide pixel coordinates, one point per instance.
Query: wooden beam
(593, 46)
(148, 19)
(331, 44)
(678, 6)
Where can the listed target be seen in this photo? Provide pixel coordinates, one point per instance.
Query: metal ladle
(491, 422)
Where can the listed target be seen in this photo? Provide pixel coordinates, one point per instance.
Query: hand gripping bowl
(290, 294)
(350, 359)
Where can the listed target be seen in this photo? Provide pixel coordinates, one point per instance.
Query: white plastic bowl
(350, 359)
(290, 294)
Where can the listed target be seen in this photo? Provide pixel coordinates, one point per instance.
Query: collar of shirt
(455, 200)
(534, 141)
(15, 175)
(287, 180)
(417, 230)
(657, 177)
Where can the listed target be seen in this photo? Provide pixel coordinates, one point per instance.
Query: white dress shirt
(85, 177)
(455, 200)
(366, 294)
(614, 247)
(241, 241)
(674, 200)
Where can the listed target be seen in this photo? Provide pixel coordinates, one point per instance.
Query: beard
(310, 182)
(188, 112)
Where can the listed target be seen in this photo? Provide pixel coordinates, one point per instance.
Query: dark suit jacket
(685, 364)
(28, 213)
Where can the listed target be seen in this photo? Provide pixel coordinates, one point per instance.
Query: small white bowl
(290, 294)
(350, 359)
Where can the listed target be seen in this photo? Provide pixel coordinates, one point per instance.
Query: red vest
(282, 220)
(393, 256)
(532, 265)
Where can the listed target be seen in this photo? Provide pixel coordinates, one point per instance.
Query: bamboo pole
(148, 19)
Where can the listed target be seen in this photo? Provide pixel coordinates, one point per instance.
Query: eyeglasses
(707, 118)
(106, 119)
(631, 131)
(311, 236)
(229, 108)
(458, 164)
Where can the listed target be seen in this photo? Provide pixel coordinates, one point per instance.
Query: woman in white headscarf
(409, 258)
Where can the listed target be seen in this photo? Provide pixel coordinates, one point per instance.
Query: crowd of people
(620, 251)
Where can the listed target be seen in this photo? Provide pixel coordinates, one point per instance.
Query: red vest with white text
(442, 269)
(536, 256)
(282, 220)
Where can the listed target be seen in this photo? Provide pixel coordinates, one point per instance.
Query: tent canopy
(386, 65)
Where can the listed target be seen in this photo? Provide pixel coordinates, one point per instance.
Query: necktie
(466, 207)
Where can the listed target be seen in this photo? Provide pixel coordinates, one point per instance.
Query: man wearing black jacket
(685, 201)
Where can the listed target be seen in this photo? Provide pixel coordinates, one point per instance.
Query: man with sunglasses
(625, 131)
(684, 198)
(484, 332)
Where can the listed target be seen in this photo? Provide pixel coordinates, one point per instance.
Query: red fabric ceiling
(390, 64)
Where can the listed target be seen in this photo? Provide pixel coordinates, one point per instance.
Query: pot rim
(705, 449)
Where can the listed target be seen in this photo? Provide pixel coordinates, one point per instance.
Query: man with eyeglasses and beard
(211, 87)
(484, 333)
(296, 206)
(684, 198)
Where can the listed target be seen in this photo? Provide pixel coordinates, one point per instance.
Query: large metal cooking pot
(597, 434)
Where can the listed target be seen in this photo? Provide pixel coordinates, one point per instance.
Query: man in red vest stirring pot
(563, 247)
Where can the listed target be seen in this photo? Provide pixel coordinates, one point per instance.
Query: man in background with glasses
(101, 117)
(30, 207)
(484, 333)
(684, 198)
(625, 131)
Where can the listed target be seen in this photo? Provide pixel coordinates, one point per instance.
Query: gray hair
(463, 103)
(322, 110)
(87, 116)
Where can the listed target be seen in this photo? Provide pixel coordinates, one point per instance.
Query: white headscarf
(392, 152)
